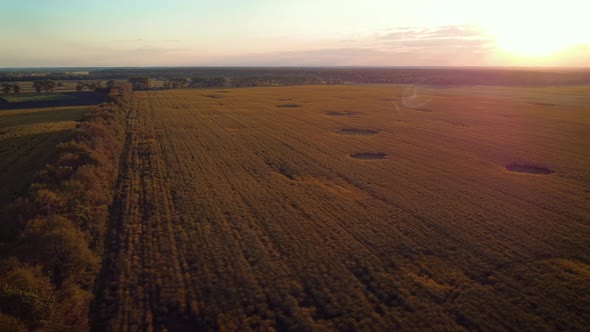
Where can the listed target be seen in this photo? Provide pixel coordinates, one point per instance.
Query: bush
(26, 296)
(61, 248)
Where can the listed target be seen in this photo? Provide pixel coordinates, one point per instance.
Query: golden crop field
(340, 208)
(28, 138)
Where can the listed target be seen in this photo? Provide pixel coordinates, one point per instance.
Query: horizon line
(298, 66)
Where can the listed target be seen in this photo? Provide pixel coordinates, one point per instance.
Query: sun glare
(533, 42)
(537, 30)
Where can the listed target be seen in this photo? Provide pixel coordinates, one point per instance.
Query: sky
(71, 33)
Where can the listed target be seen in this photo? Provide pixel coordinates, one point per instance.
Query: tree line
(6, 88)
(144, 83)
(53, 239)
(27, 77)
(93, 85)
(384, 75)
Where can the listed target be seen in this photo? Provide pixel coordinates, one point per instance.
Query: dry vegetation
(239, 212)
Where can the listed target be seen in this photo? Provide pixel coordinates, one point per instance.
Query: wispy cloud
(402, 46)
(436, 38)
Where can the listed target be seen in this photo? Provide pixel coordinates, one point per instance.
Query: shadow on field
(84, 98)
(342, 113)
(369, 155)
(528, 169)
(33, 118)
(22, 157)
(357, 132)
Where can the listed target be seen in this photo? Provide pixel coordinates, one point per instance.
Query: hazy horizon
(456, 33)
(562, 68)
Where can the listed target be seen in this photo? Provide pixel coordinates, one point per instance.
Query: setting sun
(522, 43)
(535, 31)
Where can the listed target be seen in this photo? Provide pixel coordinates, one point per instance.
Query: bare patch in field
(342, 113)
(288, 105)
(282, 168)
(369, 155)
(223, 91)
(458, 124)
(359, 132)
(212, 96)
(545, 104)
(528, 169)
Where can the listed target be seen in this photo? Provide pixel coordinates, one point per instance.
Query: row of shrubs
(52, 240)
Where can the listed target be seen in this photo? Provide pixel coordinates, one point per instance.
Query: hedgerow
(47, 276)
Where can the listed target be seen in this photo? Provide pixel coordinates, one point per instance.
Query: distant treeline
(53, 239)
(144, 83)
(428, 76)
(26, 77)
(252, 76)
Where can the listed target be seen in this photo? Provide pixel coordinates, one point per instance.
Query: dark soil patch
(212, 96)
(354, 131)
(289, 105)
(545, 104)
(369, 155)
(528, 169)
(223, 91)
(342, 113)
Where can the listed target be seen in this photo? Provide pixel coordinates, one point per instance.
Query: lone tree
(6, 88)
(140, 82)
(45, 85)
(111, 83)
(48, 85)
(16, 88)
(38, 85)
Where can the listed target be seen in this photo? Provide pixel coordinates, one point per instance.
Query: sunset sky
(294, 33)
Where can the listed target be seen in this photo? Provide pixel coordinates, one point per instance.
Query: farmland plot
(28, 138)
(340, 208)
